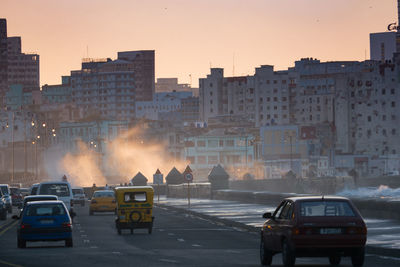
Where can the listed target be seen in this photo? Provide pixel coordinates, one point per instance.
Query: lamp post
(289, 137)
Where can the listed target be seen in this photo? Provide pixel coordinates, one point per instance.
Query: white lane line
(94, 247)
(196, 245)
(83, 235)
(181, 240)
(169, 261)
(86, 241)
(116, 253)
(171, 234)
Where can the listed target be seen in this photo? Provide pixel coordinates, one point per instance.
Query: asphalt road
(177, 240)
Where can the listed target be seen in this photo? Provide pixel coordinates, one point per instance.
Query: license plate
(46, 221)
(330, 231)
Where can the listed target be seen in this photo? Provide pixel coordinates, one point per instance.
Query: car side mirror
(267, 215)
(15, 217)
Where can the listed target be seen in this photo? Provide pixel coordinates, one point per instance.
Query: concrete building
(16, 67)
(382, 46)
(142, 63)
(171, 85)
(234, 151)
(164, 103)
(57, 94)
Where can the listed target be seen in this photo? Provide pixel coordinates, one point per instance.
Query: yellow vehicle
(134, 208)
(103, 201)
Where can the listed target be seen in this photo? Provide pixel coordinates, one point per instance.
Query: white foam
(383, 191)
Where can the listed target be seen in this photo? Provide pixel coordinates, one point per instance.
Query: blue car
(44, 221)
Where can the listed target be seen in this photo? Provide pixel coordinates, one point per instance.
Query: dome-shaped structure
(139, 180)
(218, 178)
(174, 177)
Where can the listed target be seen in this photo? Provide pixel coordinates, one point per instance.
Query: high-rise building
(142, 63)
(382, 46)
(16, 67)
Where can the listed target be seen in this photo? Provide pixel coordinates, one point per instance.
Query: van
(62, 190)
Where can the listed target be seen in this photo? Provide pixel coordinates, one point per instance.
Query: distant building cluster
(316, 119)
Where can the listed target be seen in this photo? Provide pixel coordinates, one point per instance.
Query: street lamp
(289, 135)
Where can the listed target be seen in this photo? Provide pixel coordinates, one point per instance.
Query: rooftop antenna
(87, 51)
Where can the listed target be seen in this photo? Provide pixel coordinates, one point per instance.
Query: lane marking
(10, 264)
(116, 252)
(169, 261)
(86, 241)
(83, 235)
(94, 247)
(181, 240)
(196, 245)
(171, 234)
(10, 226)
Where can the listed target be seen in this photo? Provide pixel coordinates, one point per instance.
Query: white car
(5, 190)
(62, 190)
(79, 196)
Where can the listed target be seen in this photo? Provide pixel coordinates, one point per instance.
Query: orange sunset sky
(190, 35)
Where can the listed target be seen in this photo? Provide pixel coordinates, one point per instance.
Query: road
(177, 240)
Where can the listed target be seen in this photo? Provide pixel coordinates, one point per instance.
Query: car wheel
(334, 260)
(357, 259)
(288, 257)
(69, 243)
(265, 254)
(21, 243)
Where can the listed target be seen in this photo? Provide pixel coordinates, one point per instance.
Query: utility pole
(12, 141)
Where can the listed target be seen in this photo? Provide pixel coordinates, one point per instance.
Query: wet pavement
(381, 233)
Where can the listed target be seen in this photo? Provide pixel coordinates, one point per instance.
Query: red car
(320, 226)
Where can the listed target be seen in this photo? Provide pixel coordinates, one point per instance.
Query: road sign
(188, 177)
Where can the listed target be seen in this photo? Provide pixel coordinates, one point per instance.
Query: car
(5, 189)
(44, 221)
(33, 189)
(79, 196)
(62, 190)
(24, 191)
(102, 201)
(318, 226)
(16, 196)
(3, 208)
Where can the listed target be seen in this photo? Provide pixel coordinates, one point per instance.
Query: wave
(383, 191)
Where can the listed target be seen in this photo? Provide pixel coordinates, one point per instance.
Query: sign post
(188, 176)
(158, 179)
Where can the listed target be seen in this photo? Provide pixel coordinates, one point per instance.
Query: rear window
(77, 191)
(135, 197)
(103, 194)
(326, 208)
(60, 190)
(46, 210)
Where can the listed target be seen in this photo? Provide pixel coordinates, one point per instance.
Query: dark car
(321, 226)
(44, 221)
(16, 196)
(3, 208)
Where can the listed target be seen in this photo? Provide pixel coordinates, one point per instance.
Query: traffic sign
(188, 177)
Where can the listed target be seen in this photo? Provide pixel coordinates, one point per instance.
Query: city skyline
(246, 35)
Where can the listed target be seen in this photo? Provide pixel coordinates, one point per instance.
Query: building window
(221, 143)
(201, 160)
(383, 91)
(229, 143)
(369, 118)
(392, 91)
(393, 104)
(393, 131)
(201, 143)
(212, 159)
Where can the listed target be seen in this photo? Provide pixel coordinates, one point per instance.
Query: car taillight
(25, 225)
(94, 201)
(302, 231)
(67, 224)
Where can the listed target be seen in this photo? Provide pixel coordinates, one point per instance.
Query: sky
(190, 36)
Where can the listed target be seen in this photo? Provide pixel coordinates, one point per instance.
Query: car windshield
(4, 190)
(45, 210)
(103, 194)
(135, 197)
(325, 208)
(60, 190)
(77, 191)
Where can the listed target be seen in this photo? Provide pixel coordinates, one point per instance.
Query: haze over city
(190, 36)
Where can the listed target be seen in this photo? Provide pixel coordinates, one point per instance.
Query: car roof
(45, 202)
(134, 187)
(40, 196)
(315, 198)
(4, 185)
(104, 191)
(55, 182)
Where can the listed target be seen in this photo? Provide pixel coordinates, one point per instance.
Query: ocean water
(381, 192)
